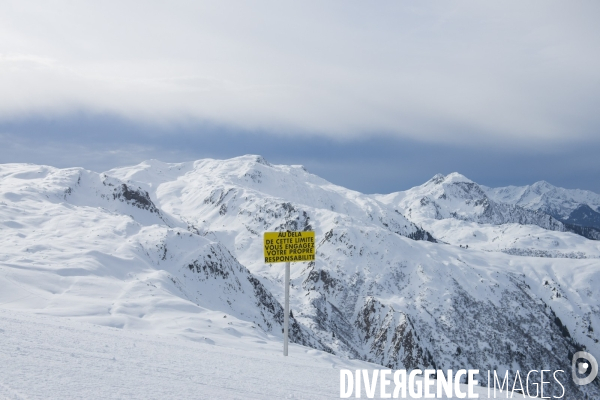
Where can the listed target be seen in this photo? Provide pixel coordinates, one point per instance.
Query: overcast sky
(376, 96)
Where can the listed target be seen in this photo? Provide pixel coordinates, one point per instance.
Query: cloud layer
(367, 164)
(467, 72)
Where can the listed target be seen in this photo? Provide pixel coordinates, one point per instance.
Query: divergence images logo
(584, 363)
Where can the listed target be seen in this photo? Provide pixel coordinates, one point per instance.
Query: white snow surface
(45, 357)
(96, 274)
(526, 240)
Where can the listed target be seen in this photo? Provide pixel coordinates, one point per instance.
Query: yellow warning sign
(289, 246)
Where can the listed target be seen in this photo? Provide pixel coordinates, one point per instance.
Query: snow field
(48, 357)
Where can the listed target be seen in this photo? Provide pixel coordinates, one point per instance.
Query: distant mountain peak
(262, 160)
(437, 179)
(542, 186)
(455, 177)
(253, 158)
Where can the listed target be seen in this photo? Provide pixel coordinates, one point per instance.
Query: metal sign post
(288, 247)
(286, 316)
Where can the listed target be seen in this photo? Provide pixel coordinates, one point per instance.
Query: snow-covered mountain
(455, 196)
(573, 206)
(180, 246)
(81, 243)
(239, 189)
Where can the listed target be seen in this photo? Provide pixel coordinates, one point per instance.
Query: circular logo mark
(582, 361)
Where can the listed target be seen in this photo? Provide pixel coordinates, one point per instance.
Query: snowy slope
(525, 240)
(95, 362)
(75, 245)
(177, 249)
(85, 361)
